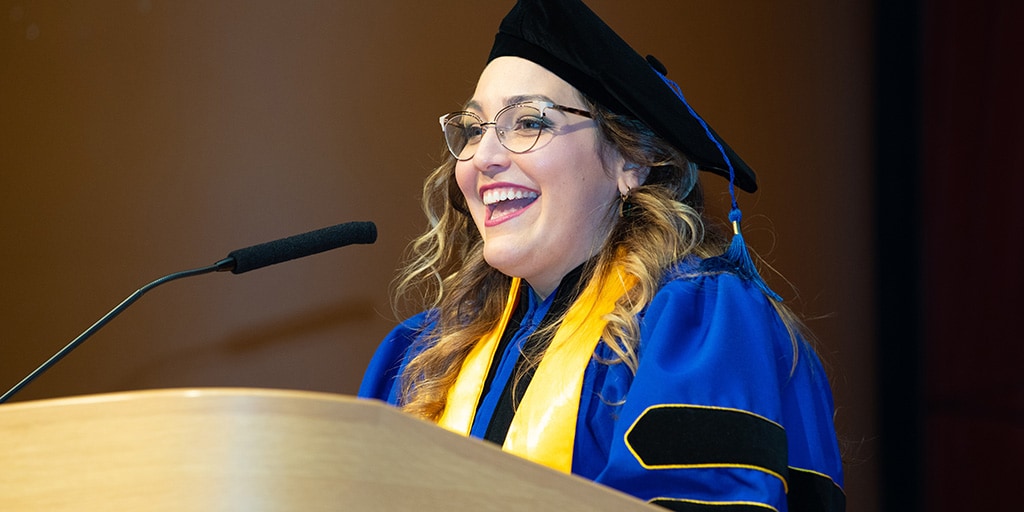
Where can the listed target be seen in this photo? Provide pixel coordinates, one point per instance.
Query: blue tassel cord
(736, 257)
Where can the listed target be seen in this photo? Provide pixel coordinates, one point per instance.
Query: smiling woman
(579, 312)
(568, 194)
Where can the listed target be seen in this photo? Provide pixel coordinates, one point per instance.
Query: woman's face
(543, 212)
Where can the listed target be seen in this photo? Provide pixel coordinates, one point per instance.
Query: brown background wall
(142, 137)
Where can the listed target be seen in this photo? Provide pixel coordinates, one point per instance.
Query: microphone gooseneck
(238, 261)
(100, 323)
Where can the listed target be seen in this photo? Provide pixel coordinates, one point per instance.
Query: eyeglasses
(519, 127)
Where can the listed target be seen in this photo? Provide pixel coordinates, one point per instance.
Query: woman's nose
(490, 153)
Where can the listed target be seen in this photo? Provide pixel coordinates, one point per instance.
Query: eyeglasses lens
(518, 129)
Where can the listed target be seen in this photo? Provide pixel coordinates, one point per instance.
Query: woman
(577, 310)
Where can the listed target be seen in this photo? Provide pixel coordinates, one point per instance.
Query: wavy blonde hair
(662, 223)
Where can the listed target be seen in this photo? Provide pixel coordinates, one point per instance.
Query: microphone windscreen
(306, 244)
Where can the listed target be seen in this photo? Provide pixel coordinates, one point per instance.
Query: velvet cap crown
(571, 41)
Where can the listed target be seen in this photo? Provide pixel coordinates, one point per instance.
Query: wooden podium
(255, 450)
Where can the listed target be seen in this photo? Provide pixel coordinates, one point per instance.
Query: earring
(625, 205)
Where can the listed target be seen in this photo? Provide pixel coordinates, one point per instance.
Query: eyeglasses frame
(487, 124)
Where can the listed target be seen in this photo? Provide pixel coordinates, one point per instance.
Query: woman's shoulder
(391, 356)
(408, 332)
(695, 303)
(694, 279)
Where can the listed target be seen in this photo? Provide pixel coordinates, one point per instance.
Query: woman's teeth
(502, 202)
(494, 196)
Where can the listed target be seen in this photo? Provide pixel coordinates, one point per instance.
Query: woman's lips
(506, 202)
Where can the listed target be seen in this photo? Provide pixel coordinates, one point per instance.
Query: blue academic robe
(717, 417)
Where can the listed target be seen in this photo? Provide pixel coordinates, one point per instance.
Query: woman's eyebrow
(512, 100)
(527, 97)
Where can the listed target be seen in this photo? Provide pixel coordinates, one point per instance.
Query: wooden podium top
(256, 449)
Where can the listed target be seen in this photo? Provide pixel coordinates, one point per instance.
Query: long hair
(661, 223)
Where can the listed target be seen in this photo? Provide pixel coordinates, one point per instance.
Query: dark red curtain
(972, 180)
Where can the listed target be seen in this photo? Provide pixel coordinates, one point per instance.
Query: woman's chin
(507, 257)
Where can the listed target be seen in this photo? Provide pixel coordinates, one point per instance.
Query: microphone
(237, 261)
(298, 246)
